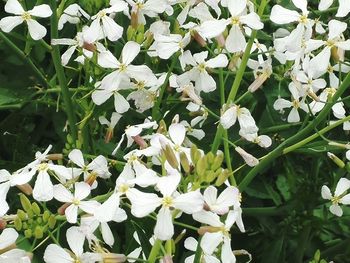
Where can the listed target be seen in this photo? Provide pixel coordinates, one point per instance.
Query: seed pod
(336, 159)
(36, 208)
(52, 222)
(25, 202)
(38, 232)
(18, 224)
(28, 233)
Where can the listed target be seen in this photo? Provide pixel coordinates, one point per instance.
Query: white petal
(43, 188)
(111, 28)
(10, 22)
(189, 203)
(208, 218)
(252, 20)
(41, 11)
(281, 104)
(210, 241)
(229, 117)
(205, 82)
(71, 213)
(336, 28)
(121, 105)
(8, 237)
(62, 194)
(321, 60)
(235, 41)
(324, 4)
(345, 199)
(67, 55)
(236, 7)
(107, 60)
(191, 244)
(75, 239)
(82, 190)
(107, 210)
(142, 204)
(13, 7)
(301, 4)
(281, 15)
(36, 30)
(130, 51)
(89, 206)
(107, 234)
(212, 28)
(342, 186)
(219, 61)
(56, 254)
(168, 184)
(164, 229)
(293, 116)
(227, 255)
(336, 210)
(344, 8)
(177, 133)
(100, 96)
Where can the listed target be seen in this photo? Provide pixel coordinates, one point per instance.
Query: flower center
(296, 104)
(335, 200)
(122, 68)
(26, 16)
(167, 201)
(76, 201)
(139, 5)
(102, 13)
(303, 19)
(123, 188)
(201, 67)
(43, 167)
(140, 85)
(235, 20)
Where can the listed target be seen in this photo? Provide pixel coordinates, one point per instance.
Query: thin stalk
(155, 251)
(40, 76)
(296, 138)
(198, 255)
(66, 95)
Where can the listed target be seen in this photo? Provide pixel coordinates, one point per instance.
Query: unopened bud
(185, 163)
(258, 82)
(170, 156)
(195, 154)
(130, 33)
(167, 259)
(221, 40)
(89, 46)
(180, 237)
(21, 214)
(140, 141)
(208, 229)
(27, 206)
(109, 135)
(36, 208)
(248, 158)
(55, 156)
(134, 20)
(336, 160)
(38, 232)
(61, 210)
(3, 224)
(222, 177)
(219, 158)
(140, 37)
(162, 127)
(52, 222)
(91, 178)
(201, 166)
(25, 188)
(46, 216)
(197, 37)
(113, 258)
(28, 233)
(18, 224)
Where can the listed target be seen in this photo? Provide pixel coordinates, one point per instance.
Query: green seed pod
(336, 160)
(222, 177)
(36, 208)
(185, 163)
(201, 166)
(25, 202)
(46, 216)
(217, 161)
(38, 232)
(18, 224)
(28, 233)
(139, 37)
(21, 214)
(170, 156)
(52, 222)
(130, 33)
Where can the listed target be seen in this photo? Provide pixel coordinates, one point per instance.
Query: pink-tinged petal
(130, 51)
(76, 156)
(107, 60)
(107, 234)
(142, 204)
(252, 20)
(75, 239)
(8, 237)
(56, 254)
(62, 194)
(14, 7)
(235, 41)
(281, 15)
(121, 105)
(111, 28)
(41, 11)
(227, 255)
(210, 241)
(236, 7)
(336, 210)
(342, 186)
(43, 188)
(177, 133)
(209, 218)
(164, 229)
(36, 30)
(189, 203)
(10, 22)
(82, 190)
(71, 213)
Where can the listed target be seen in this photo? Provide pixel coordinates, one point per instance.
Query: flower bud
(336, 160)
(195, 154)
(46, 216)
(201, 166)
(36, 208)
(55, 156)
(185, 163)
(21, 214)
(61, 210)
(52, 222)
(222, 177)
(91, 178)
(248, 158)
(113, 258)
(38, 232)
(28, 233)
(217, 161)
(170, 156)
(198, 38)
(167, 259)
(25, 203)
(140, 141)
(18, 224)
(220, 40)
(25, 188)
(109, 135)
(208, 229)
(3, 224)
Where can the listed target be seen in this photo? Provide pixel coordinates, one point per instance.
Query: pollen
(76, 201)
(201, 67)
(26, 16)
(167, 201)
(303, 19)
(102, 13)
(234, 20)
(43, 167)
(296, 104)
(123, 188)
(122, 68)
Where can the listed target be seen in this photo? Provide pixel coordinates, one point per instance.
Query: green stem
(314, 136)
(66, 95)
(155, 251)
(26, 59)
(297, 137)
(198, 255)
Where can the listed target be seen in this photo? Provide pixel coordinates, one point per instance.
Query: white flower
(144, 203)
(7, 238)
(82, 190)
(221, 204)
(166, 45)
(343, 10)
(36, 30)
(72, 14)
(149, 8)
(199, 73)
(191, 244)
(245, 119)
(75, 238)
(340, 196)
(103, 25)
(262, 140)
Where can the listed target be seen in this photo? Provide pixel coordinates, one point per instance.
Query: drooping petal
(205, 82)
(282, 104)
(111, 29)
(107, 210)
(227, 255)
(107, 234)
(36, 30)
(164, 229)
(100, 96)
(293, 116)
(168, 184)
(67, 55)
(208, 218)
